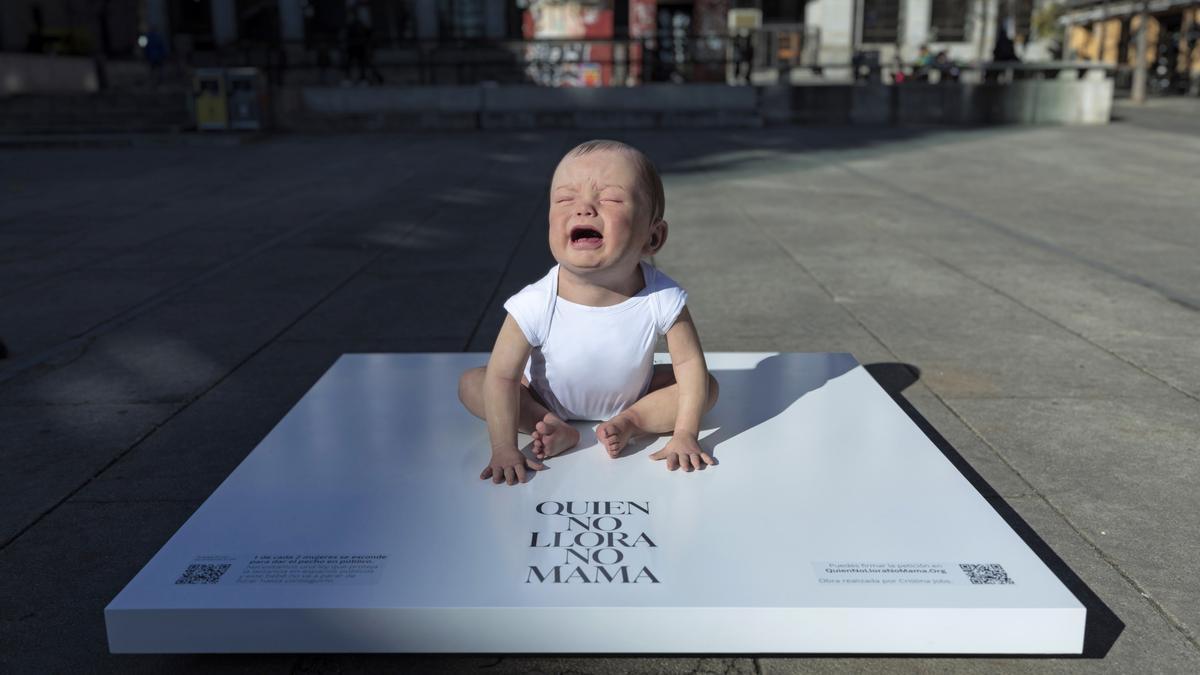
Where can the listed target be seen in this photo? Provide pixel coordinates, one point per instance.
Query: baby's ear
(658, 237)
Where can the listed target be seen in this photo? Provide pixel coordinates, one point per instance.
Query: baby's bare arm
(502, 385)
(502, 406)
(691, 373)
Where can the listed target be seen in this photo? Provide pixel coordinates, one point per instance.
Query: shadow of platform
(1103, 626)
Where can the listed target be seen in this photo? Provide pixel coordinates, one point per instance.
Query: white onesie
(590, 363)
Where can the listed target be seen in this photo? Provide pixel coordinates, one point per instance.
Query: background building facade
(1107, 32)
(610, 42)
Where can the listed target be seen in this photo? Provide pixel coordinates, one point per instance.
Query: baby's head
(606, 208)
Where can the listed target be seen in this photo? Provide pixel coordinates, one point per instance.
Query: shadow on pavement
(1103, 626)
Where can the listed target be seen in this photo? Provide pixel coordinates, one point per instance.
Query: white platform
(831, 524)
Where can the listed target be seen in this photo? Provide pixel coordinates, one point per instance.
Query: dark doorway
(258, 21)
(192, 18)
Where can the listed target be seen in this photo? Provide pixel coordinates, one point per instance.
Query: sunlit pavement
(1031, 294)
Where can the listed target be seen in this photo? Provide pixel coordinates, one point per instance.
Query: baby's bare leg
(551, 435)
(470, 392)
(653, 413)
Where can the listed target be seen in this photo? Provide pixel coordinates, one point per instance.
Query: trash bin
(208, 87)
(867, 66)
(247, 98)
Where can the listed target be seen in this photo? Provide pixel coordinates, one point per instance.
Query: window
(880, 21)
(461, 18)
(948, 21)
(783, 11)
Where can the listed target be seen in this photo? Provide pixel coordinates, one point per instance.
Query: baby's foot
(615, 434)
(552, 435)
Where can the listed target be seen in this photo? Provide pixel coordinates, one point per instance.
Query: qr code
(986, 574)
(202, 574)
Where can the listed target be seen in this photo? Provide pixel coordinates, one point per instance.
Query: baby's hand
(684, 450)
(509, 465)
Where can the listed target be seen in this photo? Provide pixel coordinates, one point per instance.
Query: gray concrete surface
(1029, 296)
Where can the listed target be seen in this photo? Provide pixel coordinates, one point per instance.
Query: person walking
(358, 52)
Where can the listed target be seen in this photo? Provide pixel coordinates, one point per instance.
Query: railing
(570, 62)
(995, 72)
(779, 54)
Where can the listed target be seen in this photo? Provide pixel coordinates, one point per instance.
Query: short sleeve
(526, 308)
(532, 307)
(669, 300)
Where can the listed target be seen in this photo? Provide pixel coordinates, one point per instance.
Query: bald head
(649, 182)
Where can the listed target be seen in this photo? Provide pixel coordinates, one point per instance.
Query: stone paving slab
(1141, 449)
(1023, 292)
(53, 620)
(37, 475)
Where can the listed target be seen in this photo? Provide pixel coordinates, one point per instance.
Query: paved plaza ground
(1031, 296)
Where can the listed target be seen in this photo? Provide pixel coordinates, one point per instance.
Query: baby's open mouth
(586, 238)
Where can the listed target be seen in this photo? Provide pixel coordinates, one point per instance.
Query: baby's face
(599, 218)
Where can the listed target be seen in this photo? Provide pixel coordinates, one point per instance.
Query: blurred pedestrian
(948, 71)
(35, 42)
(898, 74)
(923, 64)
(324, 61)
(155, 51)
(1005, 52)
(358, 52)
(743, 46)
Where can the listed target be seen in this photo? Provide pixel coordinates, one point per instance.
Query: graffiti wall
(710, 28)
(562, 54)
(641, 32)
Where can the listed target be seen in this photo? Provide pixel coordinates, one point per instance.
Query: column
(224, 20)
(291, 20)
(837, 36)
(984, 31)
(157, 18)
(495, 22)
(915, 31)
(425, 16)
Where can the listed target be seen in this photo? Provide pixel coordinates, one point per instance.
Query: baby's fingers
(672, 461)
(487, 471)
(708, 459)
(520, 468)
(534, 464)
